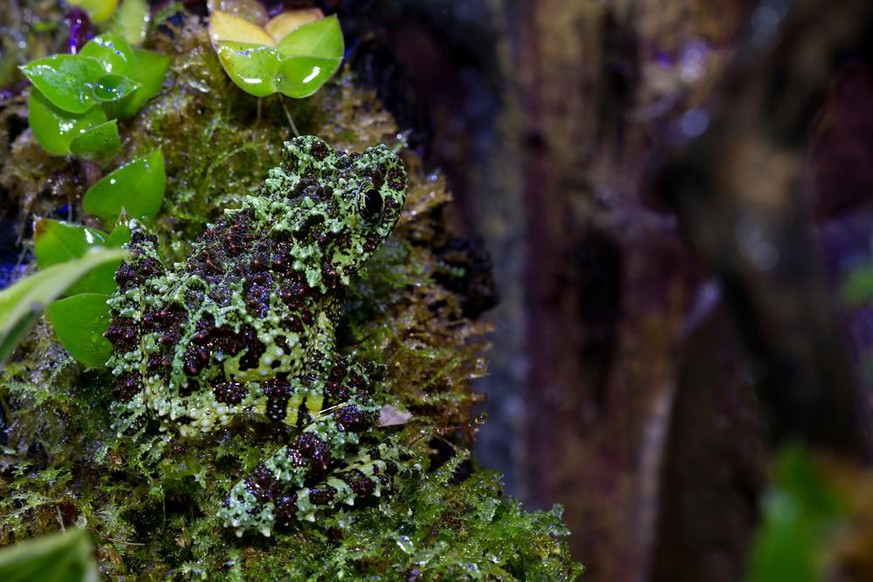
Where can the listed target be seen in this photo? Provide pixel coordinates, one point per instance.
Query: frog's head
(346, 203)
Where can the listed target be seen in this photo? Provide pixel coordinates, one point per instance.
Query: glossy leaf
(310, 55)
(65, 80)
(98, 10)
(57, 242)
(149, 70)
(297, 66)
(119, 237)
(59, 557)
(22, 303)
(300, 77)
(97, 143)
(252, 67)
(131, 21)
(80, 322)
(112, 87)
(56, 129)
(112, 51)
(321, 39)
(137, 188)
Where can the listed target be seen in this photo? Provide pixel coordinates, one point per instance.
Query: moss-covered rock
(151, 504)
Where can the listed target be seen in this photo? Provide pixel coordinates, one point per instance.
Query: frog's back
(256, 303)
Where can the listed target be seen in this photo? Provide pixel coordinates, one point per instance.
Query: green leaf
(302, 76)
(97, 143)
(137, 188)
(321, 39)
(65, 80)
(310, 55)
(57, 242)
(60, 557)
(112, 51)
(22, 303)
(857, 289)
(149, 70)
(298, 66)
(80, 322)
(56, 129)
(112, 87)
(253, 67)
(799, 515)
(131, 21)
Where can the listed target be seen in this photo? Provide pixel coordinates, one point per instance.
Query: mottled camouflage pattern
(244, 332)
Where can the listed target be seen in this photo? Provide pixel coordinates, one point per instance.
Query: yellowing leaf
(280, 25)
(98, 10)
(250, 10)
(225, 27)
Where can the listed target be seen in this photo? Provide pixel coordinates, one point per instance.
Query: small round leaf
(98, 143)
(251, 10)
(149, 71)
(54, 128)
(21, 303)
(112, 87)
(302, 76)
(131, 21)
(65, 80)
(113, 52)
(137, 188)
(80, 322)
(252, 67)
(58, 242)
(321, 39)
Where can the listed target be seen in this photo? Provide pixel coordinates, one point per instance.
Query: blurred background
(675, 196)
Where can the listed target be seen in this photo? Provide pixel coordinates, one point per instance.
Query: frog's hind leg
(372, 473)
(331, 407)
(305, 478)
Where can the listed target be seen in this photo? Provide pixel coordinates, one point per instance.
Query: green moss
(150, 506)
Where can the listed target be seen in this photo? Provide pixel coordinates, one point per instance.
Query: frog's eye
(370, 205)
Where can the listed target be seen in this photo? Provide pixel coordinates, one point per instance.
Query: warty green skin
(244, 332)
